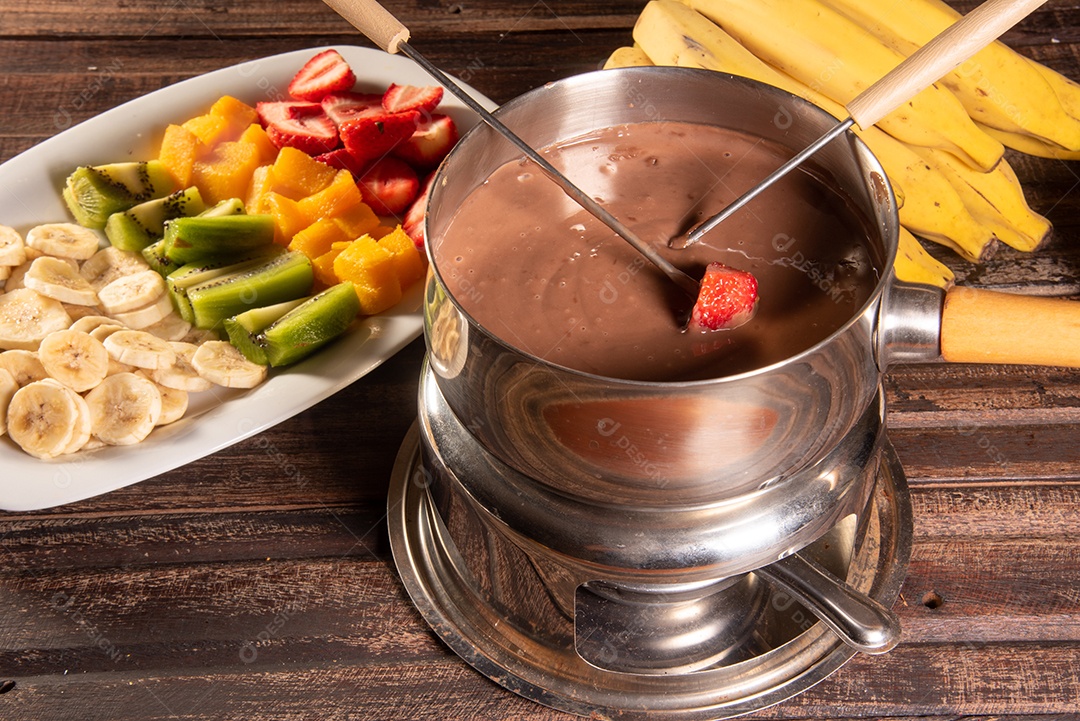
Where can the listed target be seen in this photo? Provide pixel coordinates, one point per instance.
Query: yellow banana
(672, 34)
(914, 265)
(835, 56)
(997, 86)
(627, 57)
(1031, 145)
(995, 199)
(1067, 91)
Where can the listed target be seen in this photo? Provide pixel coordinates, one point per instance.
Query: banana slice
(129, 292)
(105, 330)
(26, 317)
(56, 278)
(15, 279)
(221, 363)
(174, 402)
(124, 408)
(111, 263)
(12, 248)
(74, 358)
(64, 240)
(23, 365)
(5, 273)
(181, 375)
(140, 349)
(80, 432)
(89, 322)
(43, 418)
(172, 327)
(144, 317)
(8, 386)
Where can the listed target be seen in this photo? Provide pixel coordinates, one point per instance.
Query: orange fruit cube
(358, 220)
(298, 175)
(381, 231)
(255, 135)
(238, 113)
(226, 172)
(211, 129)
(339, 197)
(179, 148)
(373, 272)
(409, 264)
(317, 238)
(258, 188)
(288, 220)
(323, 265)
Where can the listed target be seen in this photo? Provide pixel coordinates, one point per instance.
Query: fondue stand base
(489, 605)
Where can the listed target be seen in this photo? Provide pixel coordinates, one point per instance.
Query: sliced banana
(105, 330)
(12, 248)
(124, 408)
(8, 386)
(174, 402)
(80, 432)
(26, 317)
(111, 263)
(55, 278)
(129, 292)
(43, 418)
(23, 365)
(88, 323)
(80, 311)
(140, 349)
(64, 240)
(74, 358)
(15, 279)
(172, 327)
(221, 363)
(144, 317)
(181, 375)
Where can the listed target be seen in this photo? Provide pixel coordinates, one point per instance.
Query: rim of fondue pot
(657, 444)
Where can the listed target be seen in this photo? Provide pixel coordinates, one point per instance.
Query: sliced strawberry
(388, 186)
(325, 73)
(413, 223)
(298, 124)
(429, 143)
(370, 137)
(346, 106)
(342, 159)
(399, 98)
(727, 298)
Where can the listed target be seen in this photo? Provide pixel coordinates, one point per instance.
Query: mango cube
(298, 175)
(317, 238)
(373, 271)
(409, 265)
(226, 172)
(179, 148)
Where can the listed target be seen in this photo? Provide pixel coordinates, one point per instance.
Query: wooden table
(239, 588)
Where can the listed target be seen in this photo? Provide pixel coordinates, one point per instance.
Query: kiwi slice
(229, 206)
(140, 225)
(93, 193)
(288, 332)
(285, 276)
(216, 236)
(189, 275)
(154, 254)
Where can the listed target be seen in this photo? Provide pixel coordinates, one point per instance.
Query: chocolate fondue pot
(616, 547)
(667, 445)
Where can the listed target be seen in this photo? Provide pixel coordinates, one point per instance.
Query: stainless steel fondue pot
(559, 528)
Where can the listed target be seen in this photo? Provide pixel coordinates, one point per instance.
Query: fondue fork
(921, 69)
(386, 31)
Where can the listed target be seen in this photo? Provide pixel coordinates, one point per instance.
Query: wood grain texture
(258, 583)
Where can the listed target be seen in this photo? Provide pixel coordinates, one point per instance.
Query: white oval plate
(30, 194)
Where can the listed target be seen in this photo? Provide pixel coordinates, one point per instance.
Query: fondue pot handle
(374, 21)
(985, 326)
(926, 65)
(860, 621)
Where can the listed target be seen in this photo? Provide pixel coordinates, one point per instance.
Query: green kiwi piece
(201, 237)
(285, 276)
(281, 335)
(140, 225)
(93, 193)
(189, 275)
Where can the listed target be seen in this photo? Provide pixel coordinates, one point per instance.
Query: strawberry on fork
(728, 298)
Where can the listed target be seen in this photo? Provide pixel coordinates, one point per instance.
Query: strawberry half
(727, 299)
(342, 107)
(429, 143)
(325, 73)
(298, 124)
(341, 158)
(413, 223)
(370, 137)
(388, 186)
(400, 98)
